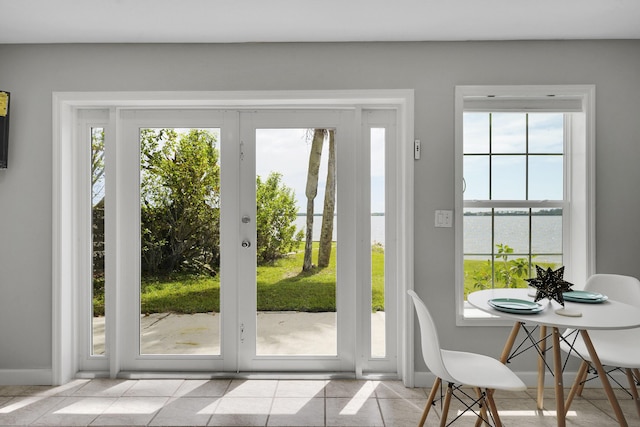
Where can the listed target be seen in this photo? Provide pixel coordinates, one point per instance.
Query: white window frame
(579, 169)
(66, 203)
(86, 120)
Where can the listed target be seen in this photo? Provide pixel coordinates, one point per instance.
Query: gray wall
(33, 72)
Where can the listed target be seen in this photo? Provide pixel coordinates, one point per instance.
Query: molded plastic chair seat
(615, 348)
(478, 370)
(461, 368)
(609, 345)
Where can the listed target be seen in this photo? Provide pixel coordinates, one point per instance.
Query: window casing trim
(579, 163)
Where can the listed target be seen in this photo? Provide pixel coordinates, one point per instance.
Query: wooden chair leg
(633, 389)
(542, 366)
(578, 384)
(606, 385)
(557, 377)
(445, 408)
(432, 396)
(483, 408)
(494, 410)
(583, 380)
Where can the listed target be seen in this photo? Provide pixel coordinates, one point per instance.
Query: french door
(282, 143)
(240, 325)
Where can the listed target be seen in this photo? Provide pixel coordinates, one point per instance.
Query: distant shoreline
(319, 214)
(542, 212)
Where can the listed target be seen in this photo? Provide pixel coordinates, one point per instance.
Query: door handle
(246, 243)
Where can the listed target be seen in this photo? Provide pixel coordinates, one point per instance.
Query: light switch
(444, 218)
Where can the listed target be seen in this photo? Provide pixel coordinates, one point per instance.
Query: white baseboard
(530, 378)
(25, 377)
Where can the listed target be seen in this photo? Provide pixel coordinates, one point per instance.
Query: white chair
(456, 368)
(616, 349)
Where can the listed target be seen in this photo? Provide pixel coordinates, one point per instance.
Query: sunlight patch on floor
(360, 398)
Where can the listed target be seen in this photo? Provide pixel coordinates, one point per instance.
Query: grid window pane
(546, 133)
(511, 271)
(508, 180)
(512, 230)
(478, 273)
(508, 132)
(476, 177)
(476, 132)
(546, 231)
(477, 236)
(545, 177)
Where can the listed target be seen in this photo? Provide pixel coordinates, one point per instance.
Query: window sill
(471, 316)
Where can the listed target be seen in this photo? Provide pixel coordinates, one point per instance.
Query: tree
(180, 205)
(326, 233)
(97, 165)
(504, 272)
(311, 192)
(276, 212)
(180, 201)
(97, 209)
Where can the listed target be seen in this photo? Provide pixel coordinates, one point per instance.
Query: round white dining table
(588, 316)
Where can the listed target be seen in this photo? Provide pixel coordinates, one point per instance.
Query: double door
(221, 219)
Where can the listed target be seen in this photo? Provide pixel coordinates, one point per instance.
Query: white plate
(514, 305)
(584, 297)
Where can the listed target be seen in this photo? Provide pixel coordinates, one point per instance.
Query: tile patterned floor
(103, 402)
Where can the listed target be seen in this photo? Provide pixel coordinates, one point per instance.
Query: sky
(287, 151)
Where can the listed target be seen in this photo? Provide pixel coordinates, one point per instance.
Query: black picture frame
(5, 99)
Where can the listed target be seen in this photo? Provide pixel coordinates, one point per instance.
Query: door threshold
(139, 375)
(238, 375)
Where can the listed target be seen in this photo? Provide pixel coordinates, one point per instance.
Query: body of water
(377, 227)
(546, 232)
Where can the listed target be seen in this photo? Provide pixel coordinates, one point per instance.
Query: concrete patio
(290, 333)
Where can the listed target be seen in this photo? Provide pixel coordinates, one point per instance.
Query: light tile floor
(103, 402)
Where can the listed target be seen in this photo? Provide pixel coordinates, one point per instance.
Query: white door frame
(342, 121)
(128, 322)
(66, 279)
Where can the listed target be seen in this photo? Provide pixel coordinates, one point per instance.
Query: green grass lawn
(471, 267)
(282, 286)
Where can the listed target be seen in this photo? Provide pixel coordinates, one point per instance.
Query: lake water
(377, 227)
(546, 232)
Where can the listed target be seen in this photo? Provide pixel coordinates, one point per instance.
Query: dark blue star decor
(550, 284)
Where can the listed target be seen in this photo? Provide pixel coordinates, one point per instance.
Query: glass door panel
(169, 250)
(378, 192)
(93, 350)
(296, 301)
(97, 242)
(296, 242)
(378, 242)
(179, 241)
